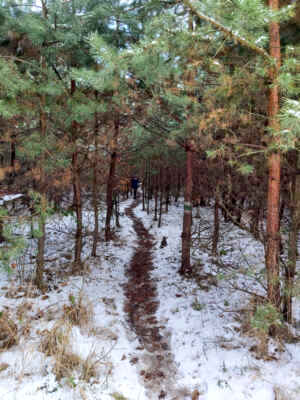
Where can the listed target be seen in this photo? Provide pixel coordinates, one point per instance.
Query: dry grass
(24, 318)
(3, 366)
(23, 309)
(281, 393)
(89, 367)
(57, 339)
(57, 343)
(79, 311)
(65, 365)
(8, 332)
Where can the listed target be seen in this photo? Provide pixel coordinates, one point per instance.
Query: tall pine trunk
(40, 259)
(273, 202)
(111, 183)
(77, 201)
(186, 268)
(95, 191)
(78, 209)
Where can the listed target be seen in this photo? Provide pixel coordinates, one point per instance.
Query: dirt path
(153, 359)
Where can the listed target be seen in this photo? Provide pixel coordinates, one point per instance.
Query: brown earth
(153, 359)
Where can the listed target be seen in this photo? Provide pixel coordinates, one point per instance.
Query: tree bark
(95, 192)
(148, 166)
(111, 183)
(77, 201)
(12, 173)
(273, 202)
(178, 188)
(161, 196)
(168, 179)
(78, 209)
(117, 209)
(2, 238)
(155, 197)
(216, 233)
(144, 187)
(40, 259)
(40, 262)
(186, 268)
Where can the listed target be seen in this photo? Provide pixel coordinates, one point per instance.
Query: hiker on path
(134, 186)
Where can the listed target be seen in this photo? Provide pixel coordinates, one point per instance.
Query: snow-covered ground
(203, 319)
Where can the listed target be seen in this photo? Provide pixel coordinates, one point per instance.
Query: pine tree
(245, 38)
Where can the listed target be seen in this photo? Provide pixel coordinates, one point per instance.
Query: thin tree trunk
(167, 190)
(111, 183)
(78, 209)
(77, 201)
(161, 196)
(273, 202)
(226, 196)
(117, 213)
(95, 191)
(13, 153)
(144, 191)
(12, 173)
(197, 209)
(178, 189)
(186, 268)
(148, 186)
(2, 238)
(290, 270)
(155, 198)
(40, 259)
(96, 212)
(216, 233)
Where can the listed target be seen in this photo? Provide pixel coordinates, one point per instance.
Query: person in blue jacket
(134, 185)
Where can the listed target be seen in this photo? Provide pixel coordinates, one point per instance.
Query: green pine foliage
(14, 245)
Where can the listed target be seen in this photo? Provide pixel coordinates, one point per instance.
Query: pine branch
(244, 42)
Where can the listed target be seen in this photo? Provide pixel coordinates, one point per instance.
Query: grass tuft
(8, 331)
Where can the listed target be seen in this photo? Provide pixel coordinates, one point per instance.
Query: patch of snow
(9, 197)
(211, 353)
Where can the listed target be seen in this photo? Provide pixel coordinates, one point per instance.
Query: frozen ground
(203, 321)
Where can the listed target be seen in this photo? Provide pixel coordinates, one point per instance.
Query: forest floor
(130, 328)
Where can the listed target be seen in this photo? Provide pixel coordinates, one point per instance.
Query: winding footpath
(153, 360)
